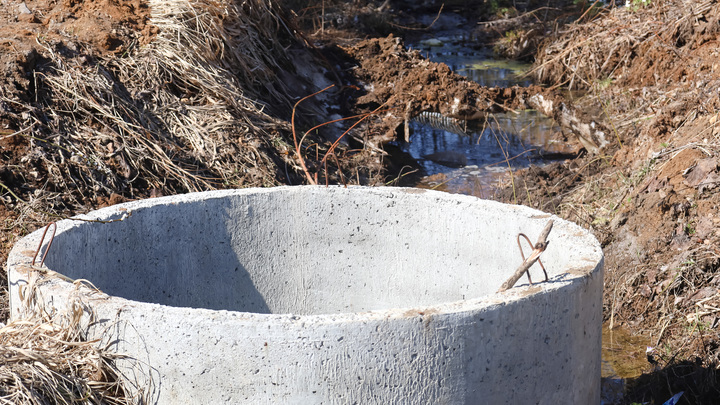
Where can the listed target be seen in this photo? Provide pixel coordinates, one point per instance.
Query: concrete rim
(19, 257)
(357, 267)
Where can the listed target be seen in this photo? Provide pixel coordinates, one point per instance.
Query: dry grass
(46, 359)
(46, 363)
(174, 116)
(583, 55)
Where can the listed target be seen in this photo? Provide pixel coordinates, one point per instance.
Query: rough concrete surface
(331, 295)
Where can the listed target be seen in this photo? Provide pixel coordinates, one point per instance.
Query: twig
(16, 132)
(519, 17)
(11, 192)
(612, 123)
(52, 237)
(540, 247)
(337, 162)
(410, 28)
(586, 11)
(401, 175)
(507, 160)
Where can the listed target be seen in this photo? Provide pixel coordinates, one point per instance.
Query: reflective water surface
(475, 163)
(624, 357)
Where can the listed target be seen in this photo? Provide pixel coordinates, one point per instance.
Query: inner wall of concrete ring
(333, 295)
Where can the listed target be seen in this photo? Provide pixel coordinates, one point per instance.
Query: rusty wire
(52, 237)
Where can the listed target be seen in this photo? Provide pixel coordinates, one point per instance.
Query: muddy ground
(649, 76)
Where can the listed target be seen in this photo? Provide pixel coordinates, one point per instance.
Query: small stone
(23, 8)
(26, 15)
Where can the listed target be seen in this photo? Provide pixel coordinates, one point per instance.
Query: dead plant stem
(507, 160)
(11, 192)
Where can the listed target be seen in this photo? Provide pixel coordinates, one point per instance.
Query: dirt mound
(171, 116)
(404, 84)
(70, 27)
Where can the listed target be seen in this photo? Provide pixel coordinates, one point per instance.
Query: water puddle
(624, 357)
(475, 162)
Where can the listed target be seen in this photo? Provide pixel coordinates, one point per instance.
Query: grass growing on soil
(172, 116)
(585, 54)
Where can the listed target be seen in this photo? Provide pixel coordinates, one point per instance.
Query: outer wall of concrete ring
(455, 341)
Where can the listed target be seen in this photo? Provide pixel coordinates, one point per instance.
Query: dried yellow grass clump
(177, 115)
(46, 360)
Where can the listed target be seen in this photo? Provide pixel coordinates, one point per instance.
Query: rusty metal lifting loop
(538, 249)
(523, 256)
(52, 237)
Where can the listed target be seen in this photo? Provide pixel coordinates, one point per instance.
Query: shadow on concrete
(185, 262)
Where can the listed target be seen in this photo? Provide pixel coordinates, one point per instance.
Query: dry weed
(583, 55)
(176, 115)
(46, 359)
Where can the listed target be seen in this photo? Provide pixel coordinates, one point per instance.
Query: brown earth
(103, 26)
(651, 78)
(406, 84)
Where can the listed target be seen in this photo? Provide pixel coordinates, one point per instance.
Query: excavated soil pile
(401, 84)
(406, 83)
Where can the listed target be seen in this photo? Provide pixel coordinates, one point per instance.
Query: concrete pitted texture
(331, 295)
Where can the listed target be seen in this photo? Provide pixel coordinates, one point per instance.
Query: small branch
(540, 247)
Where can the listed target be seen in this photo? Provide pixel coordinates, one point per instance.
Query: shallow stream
(474, 162)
